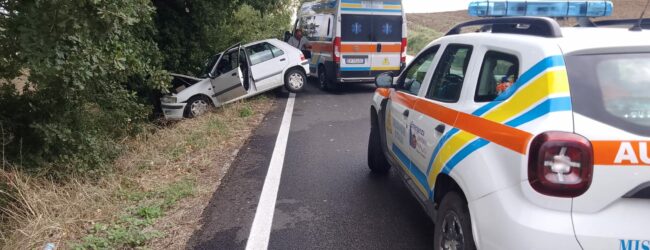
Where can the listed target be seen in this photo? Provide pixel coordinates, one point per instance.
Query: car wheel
(376, 159)
(453, 228)
(295, 80)
(322, 78)
(197, 106)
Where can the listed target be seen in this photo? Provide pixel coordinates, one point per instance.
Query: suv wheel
(376, 159)
(453, 228)
(295, 80)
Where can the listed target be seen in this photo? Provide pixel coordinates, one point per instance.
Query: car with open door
(239, 72)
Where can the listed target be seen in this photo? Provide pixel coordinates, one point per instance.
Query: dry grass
(195, 153)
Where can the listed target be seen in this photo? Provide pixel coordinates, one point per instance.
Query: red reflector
(560, 164)
(302, 57)
(404, 48)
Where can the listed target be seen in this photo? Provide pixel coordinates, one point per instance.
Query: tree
(86, 59)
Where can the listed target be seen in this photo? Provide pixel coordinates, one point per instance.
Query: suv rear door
(611, 101)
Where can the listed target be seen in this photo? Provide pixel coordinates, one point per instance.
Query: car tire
(295, 80)
(376, 159)
(197, 106)
(323, 82)
(453, 227)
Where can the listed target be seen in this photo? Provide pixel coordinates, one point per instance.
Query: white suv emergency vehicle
(523, 135)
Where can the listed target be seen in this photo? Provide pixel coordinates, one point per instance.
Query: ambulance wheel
(453, 228)
(323, 82)
(376, 159)
(294, 80)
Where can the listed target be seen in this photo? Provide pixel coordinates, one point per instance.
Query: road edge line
(260, 233)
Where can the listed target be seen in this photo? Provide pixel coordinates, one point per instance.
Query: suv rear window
(613, 89)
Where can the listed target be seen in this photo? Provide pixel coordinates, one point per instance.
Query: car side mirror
(210, 75)
(384, 80)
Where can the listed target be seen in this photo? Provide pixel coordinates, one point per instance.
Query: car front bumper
(173, 111)
(508, 220)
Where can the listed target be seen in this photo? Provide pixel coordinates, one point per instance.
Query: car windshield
(613, 89)
(209, 65)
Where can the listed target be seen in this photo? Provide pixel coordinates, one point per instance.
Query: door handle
(283, 59)
(440, 128)
(406, 113)
(379, 47)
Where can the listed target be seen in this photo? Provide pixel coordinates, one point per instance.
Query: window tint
(228, 62)
(387, 28)
(356, 28)
(613, 89)
(276, 52)
(412, 78)
(498, 73)
(447, 80)
(259, 53)
(316, 27)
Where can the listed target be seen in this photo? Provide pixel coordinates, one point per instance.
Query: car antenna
(638, 26)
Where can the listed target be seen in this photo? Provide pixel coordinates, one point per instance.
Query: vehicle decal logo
(386, 61)
(387, 29)
(357, 28)
(635, 244)
(635, 153)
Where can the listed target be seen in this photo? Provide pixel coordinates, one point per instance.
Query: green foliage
(245, 111)
(190, 32)
(87, 60)
(419, 37)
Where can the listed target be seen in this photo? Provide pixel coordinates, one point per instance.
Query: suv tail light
(560, 164)
(302, 57)
(336, 52)
(404, 46)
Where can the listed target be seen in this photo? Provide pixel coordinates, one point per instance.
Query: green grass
(245, 111)
(419, 37)
(131, 230)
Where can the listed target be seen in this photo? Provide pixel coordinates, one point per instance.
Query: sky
(426, 6)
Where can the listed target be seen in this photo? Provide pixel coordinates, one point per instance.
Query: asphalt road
(327, 199)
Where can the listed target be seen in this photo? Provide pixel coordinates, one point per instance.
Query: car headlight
(168, 99)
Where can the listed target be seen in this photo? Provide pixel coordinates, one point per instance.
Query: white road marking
(258, 239)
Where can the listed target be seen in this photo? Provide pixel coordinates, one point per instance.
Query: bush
(86, 61)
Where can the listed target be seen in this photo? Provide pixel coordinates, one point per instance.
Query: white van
(353, 40)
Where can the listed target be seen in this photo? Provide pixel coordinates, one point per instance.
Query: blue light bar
(550, 8)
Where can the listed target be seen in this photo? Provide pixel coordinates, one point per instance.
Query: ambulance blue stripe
(359, 2)
(525, 78)
(442, 141)
(371, 10)
(355, 68)
(546, 107)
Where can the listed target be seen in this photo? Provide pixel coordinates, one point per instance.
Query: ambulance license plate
(355, 60)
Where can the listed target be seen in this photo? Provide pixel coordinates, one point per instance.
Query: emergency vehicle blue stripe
(421, 178)
(442, 141)
(355, 68)
(525, 78)
(546, 107)
(371, 10)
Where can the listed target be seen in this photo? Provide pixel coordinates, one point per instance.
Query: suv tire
(453, 227)
(376, 159)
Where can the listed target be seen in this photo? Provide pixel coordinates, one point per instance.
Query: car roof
(261, 41)
(574, 38)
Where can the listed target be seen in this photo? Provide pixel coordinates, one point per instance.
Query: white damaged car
(238, 72)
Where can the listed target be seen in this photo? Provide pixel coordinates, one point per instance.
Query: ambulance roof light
(546, 8)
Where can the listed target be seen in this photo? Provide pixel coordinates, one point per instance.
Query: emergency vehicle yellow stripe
(552, 82)
(351, 5)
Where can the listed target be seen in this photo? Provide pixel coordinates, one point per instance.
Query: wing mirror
(384, 80)
(210, 75)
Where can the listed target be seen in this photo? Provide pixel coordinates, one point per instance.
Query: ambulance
(353, 41)
(522, 134)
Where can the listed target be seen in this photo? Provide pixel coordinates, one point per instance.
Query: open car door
(228, 83)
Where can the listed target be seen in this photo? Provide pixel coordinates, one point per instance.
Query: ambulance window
(387, 28)
(612, 88)
(498, 72)
(356, 28)
(411, 80)
(447, 80)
